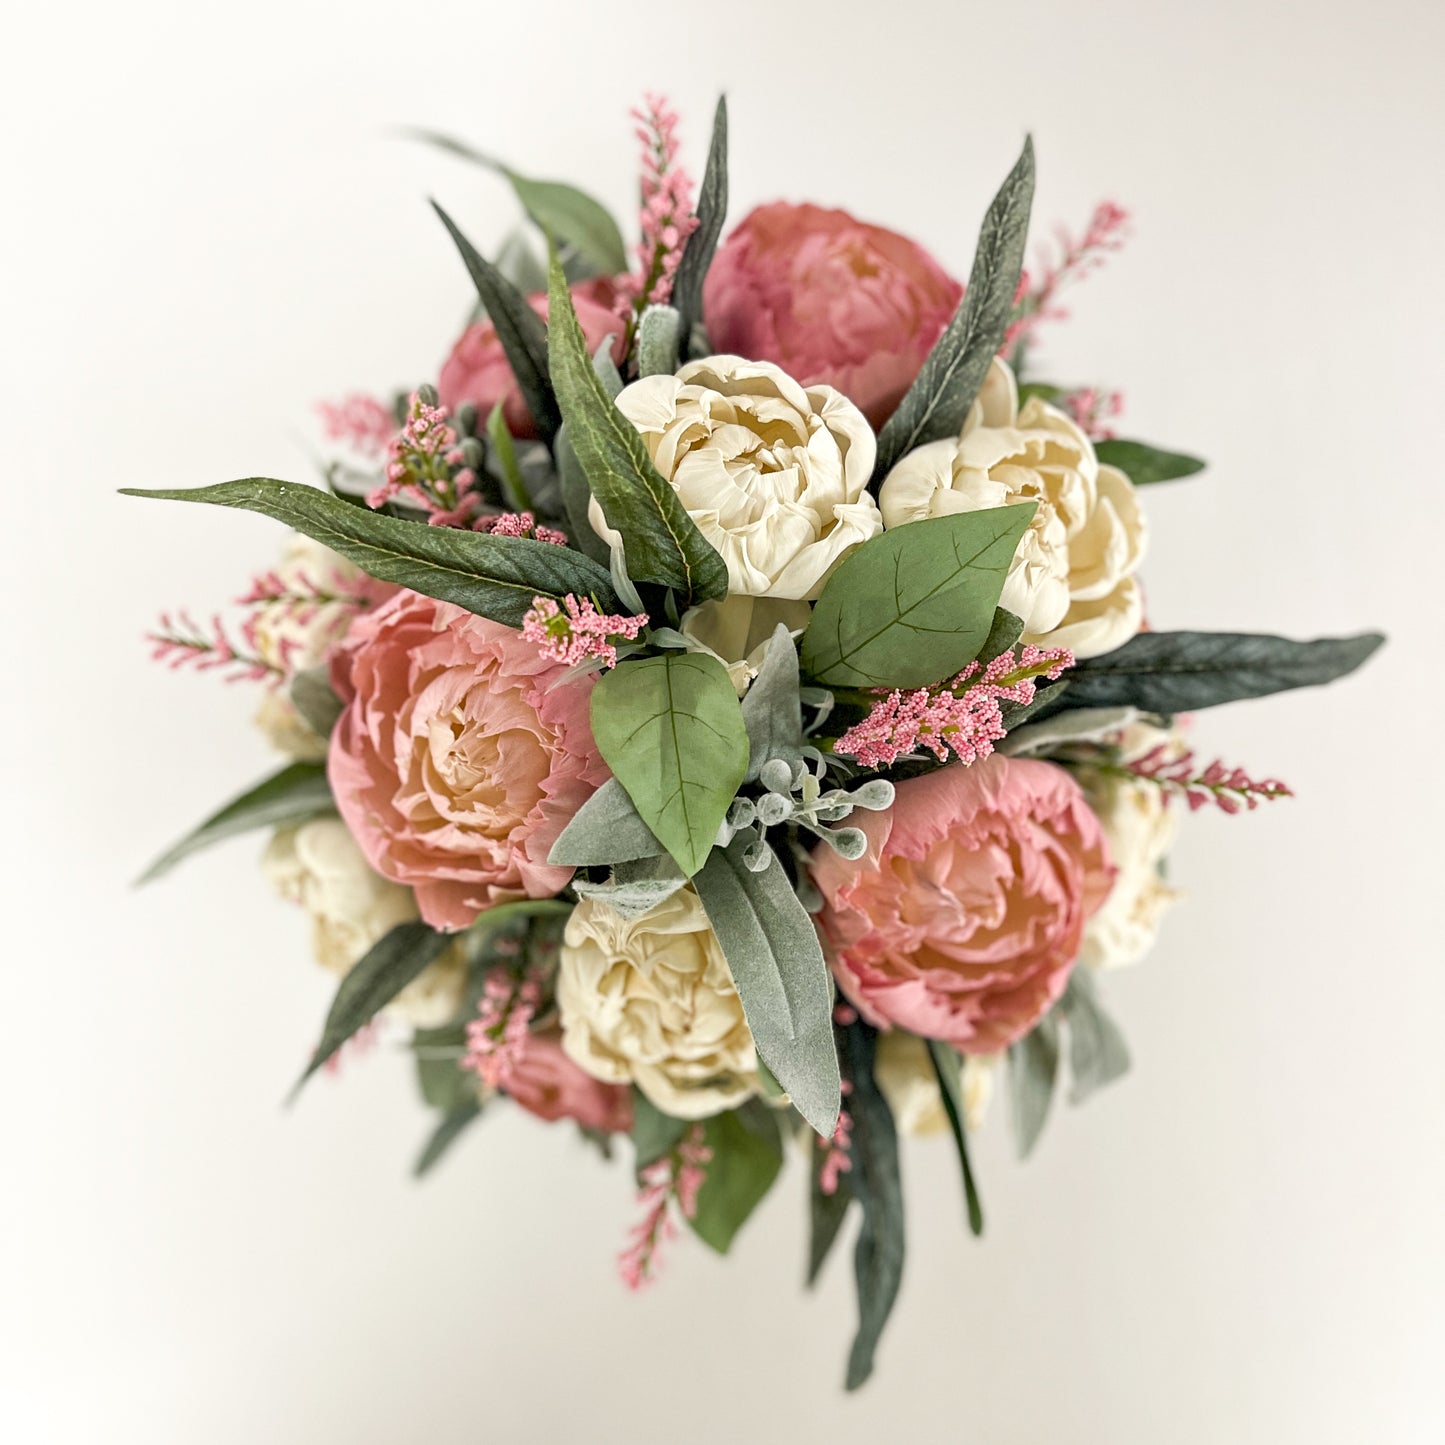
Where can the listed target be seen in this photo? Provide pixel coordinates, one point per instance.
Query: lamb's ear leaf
(1033, 1068)
(657, 341)
(606, 830)
(712, 205)
(773, 708)
(1098, 1054)
(315, 699)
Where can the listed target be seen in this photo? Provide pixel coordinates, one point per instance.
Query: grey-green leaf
(826, 1213)
(1086, 725)
(772, 706)
(504, 453)
(576, 500)
(635, 887)
(293, 795)
(1033, 1067)
(1097, 1052)
(1169, 672)
(398, 958)
(653, 1132)
(1143, 463)
(777, 963)
(315, 699)
(522, 333)
(948, 1066)
(914, 605)
(712, 205)
(607, 829)
(657, 341)
(496, 577)
(672, 732)
(446, 1133)
(747, 1154)
(937, 403)
(663, 543)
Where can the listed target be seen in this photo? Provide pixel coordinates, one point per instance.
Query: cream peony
(1072, 579)
(1141, 827)
(774, 474)
(319, 866)
(650, 1000)
(905, 1075)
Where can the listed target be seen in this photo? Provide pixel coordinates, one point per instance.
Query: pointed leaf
(444, 1136)
(653, 1132)
(576, 500)
(712, 205)
(747, 1155)
(773, 708)
(509, 474)
(1097, 1052)
(826, 1213)
(657, 342)
(948, 1065)
(1143, 464)
(914, 605)
(635, 888)
(607, 829)
(1033, 1066)
(496, 577)
(315, 699)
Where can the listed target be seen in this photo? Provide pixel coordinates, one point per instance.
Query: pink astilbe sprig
(359, 422)
(1092, 409)
(302, 596)
(1069, 260)
(676, 1178)
(1180, 775)
(837, 1158)
(426, 467)
(518, 524)
(180, 641)
(497, 1037)
(667, 218)
(576, 630)
(963, 717)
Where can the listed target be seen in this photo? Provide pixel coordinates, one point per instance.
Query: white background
(208, 225)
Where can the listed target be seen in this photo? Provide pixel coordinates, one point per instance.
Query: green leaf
(509, 474)
(444, 1084)
(444, 1136)
(914, 605)
(826, 1213)
(606, 830)
(1144, 464)
(315, 699)
(773, 708)
(635, 887)
(747, 1154)
(522, 333)
(777, 963)
(948, 1065)
(560, 210)
(1033, 1066)
(1003, 635)
(374, 980)
(657, 341)
(874, 1181)
(663, 544)
(937, 403)
(1169, 672)
(296, 793)
(672, 732)
(712, 205)
(1097, 1052)
(576, 499)
(653, 1132)
(496, 577)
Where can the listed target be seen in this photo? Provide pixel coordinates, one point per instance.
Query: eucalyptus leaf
(398, 958)
(504, 453)
(914, 605)
(948, 1066)
(1143, 463)
(747, 1155)
(444, 1136)
(653, 1132)
(782, 978)
(937, 403)
(315, 699)
(521, 332)
(1097, 1052)
(1033, 1068)
(672, 732)
(874, 1181)
(298, 792)
(773, 708)
(1172, 672)
(712, 205)
(663, 543)
(826, 1213)
(496, 577)
(657, 341)
(607, 829)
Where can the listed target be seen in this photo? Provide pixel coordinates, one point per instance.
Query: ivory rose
(456, 763)
(318, 865)
(545, 1082)
(962, 920)
(478, 370)
(830, 299)
(906, 1076)
(774, 474)
(650, 1001)
(1072, 580)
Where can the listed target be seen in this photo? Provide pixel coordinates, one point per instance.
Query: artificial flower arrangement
(721, 711)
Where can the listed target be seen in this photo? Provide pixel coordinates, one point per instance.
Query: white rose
(905, 1075)
(1072, 579)
(774, 474)
(318, 865)
(650, 1001)
(1141, 827)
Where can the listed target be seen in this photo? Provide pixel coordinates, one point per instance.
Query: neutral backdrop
(209, 224)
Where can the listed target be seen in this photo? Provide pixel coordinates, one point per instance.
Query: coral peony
(829, 299)
(545, 1082)
(966, 914)
(456, 764)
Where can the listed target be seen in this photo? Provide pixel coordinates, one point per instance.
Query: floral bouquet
(721, 710)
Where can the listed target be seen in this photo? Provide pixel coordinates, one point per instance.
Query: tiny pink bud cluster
(425, 468)
(676, 1177)
(183, 642)
(837, 1160)
(1179, 774)
(359, 422)
(1093, 409)
(580, 631)
(518, 524)
(497, 1037)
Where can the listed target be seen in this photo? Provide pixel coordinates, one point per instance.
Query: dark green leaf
(576, 498)
(1143, 463)
(1003, 635)
(712, 205)
(1033, 1066)
(937, 403)
(444, 1084)
(825, 1219)
(662, 543)
(777, 963)
(377, 977)
(444, 1136)
(747, 1153)
(914, 605)
(874, 1181)
(296, 793)
(607, 829)
(1169, 672)
(315, 699)
(1097, 1052)
(496, 577)
(509, 474)
(522, 333)
(672, 732)
(948, 1065)
(653, 1132)
(772, 706)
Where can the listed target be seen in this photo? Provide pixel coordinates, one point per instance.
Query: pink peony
(545, 1082)
(477, 370)
(964, 917)
(830, 300)
(453, 764)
